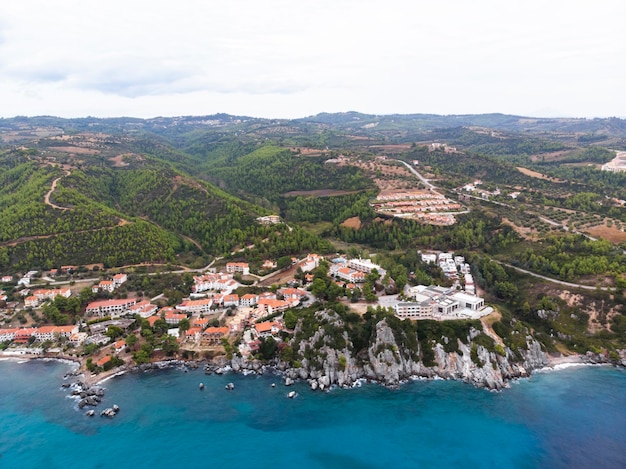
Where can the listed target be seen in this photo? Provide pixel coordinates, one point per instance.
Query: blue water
(568, 418)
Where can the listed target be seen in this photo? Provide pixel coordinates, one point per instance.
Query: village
(214, 317)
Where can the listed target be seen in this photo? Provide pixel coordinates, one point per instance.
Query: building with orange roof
(193, 334)
(152, 319)
(31, 301)
(119, 279)
(53, 332)
(214, 335)
(311, 262)
(267, 328)
(196, 306)
(200, 322)
(273, 306)
(231, 300)
(238, 267)
(104, 360)
(144, 309)
(7, 335)
(23, 335)
(106, 285)
(248, 300)
(43, 294)
(292, 293)
(174, 318)
(119, 345)
(110, 307)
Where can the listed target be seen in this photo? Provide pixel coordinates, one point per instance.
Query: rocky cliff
(326, 356)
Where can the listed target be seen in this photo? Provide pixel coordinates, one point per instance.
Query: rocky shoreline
(495, 374)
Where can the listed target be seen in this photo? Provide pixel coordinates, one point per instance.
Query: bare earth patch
(525, 233)
(535, 174)
(354, 222)
(76, 150)
(611, 234)
(118, 161)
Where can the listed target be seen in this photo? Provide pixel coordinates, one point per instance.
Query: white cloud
(285, 58)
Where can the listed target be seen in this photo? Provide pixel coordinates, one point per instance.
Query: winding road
(553, 280)
(46, 198)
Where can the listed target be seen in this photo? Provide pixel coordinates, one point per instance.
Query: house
(106, 285)
(292, 293)
(78, 338)
(268, 219)
(366, 265)
(267, 328)
(193, 334)
(311, 262)
(119, 345)
(196, 306)
(213, 335)
(43, 295)
(31, 301)
(238, 267)
(273, 306)
(144, 309)
(429, 258)
(24, 281)
(202, 323)
(173, 318)
(110, 307)
(269, 265)
(350, 275)
(103, 361)
(222, 282)
(231, 300)
(7, 278)
(152, 319)
(248, 300)
(119, 279)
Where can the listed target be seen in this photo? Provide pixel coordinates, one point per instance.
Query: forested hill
(187, 189)
(95, 198)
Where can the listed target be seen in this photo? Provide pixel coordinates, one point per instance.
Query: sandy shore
(97, 380)
(565, 360)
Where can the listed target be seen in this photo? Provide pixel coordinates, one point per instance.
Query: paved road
(560, 282)
(419, 176)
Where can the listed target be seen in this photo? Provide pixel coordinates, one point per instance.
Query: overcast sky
(294, 58)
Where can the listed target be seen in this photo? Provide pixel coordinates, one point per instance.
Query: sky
(296, 58)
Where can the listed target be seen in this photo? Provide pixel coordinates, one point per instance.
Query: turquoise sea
(572, 418)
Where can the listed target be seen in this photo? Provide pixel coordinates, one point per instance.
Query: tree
(169, 345)
(183, 326)
(290, 319)
(283, 262)
(131, 340)
(267, 348)
(318, 288)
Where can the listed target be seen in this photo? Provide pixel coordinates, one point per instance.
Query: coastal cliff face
(327, 356)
